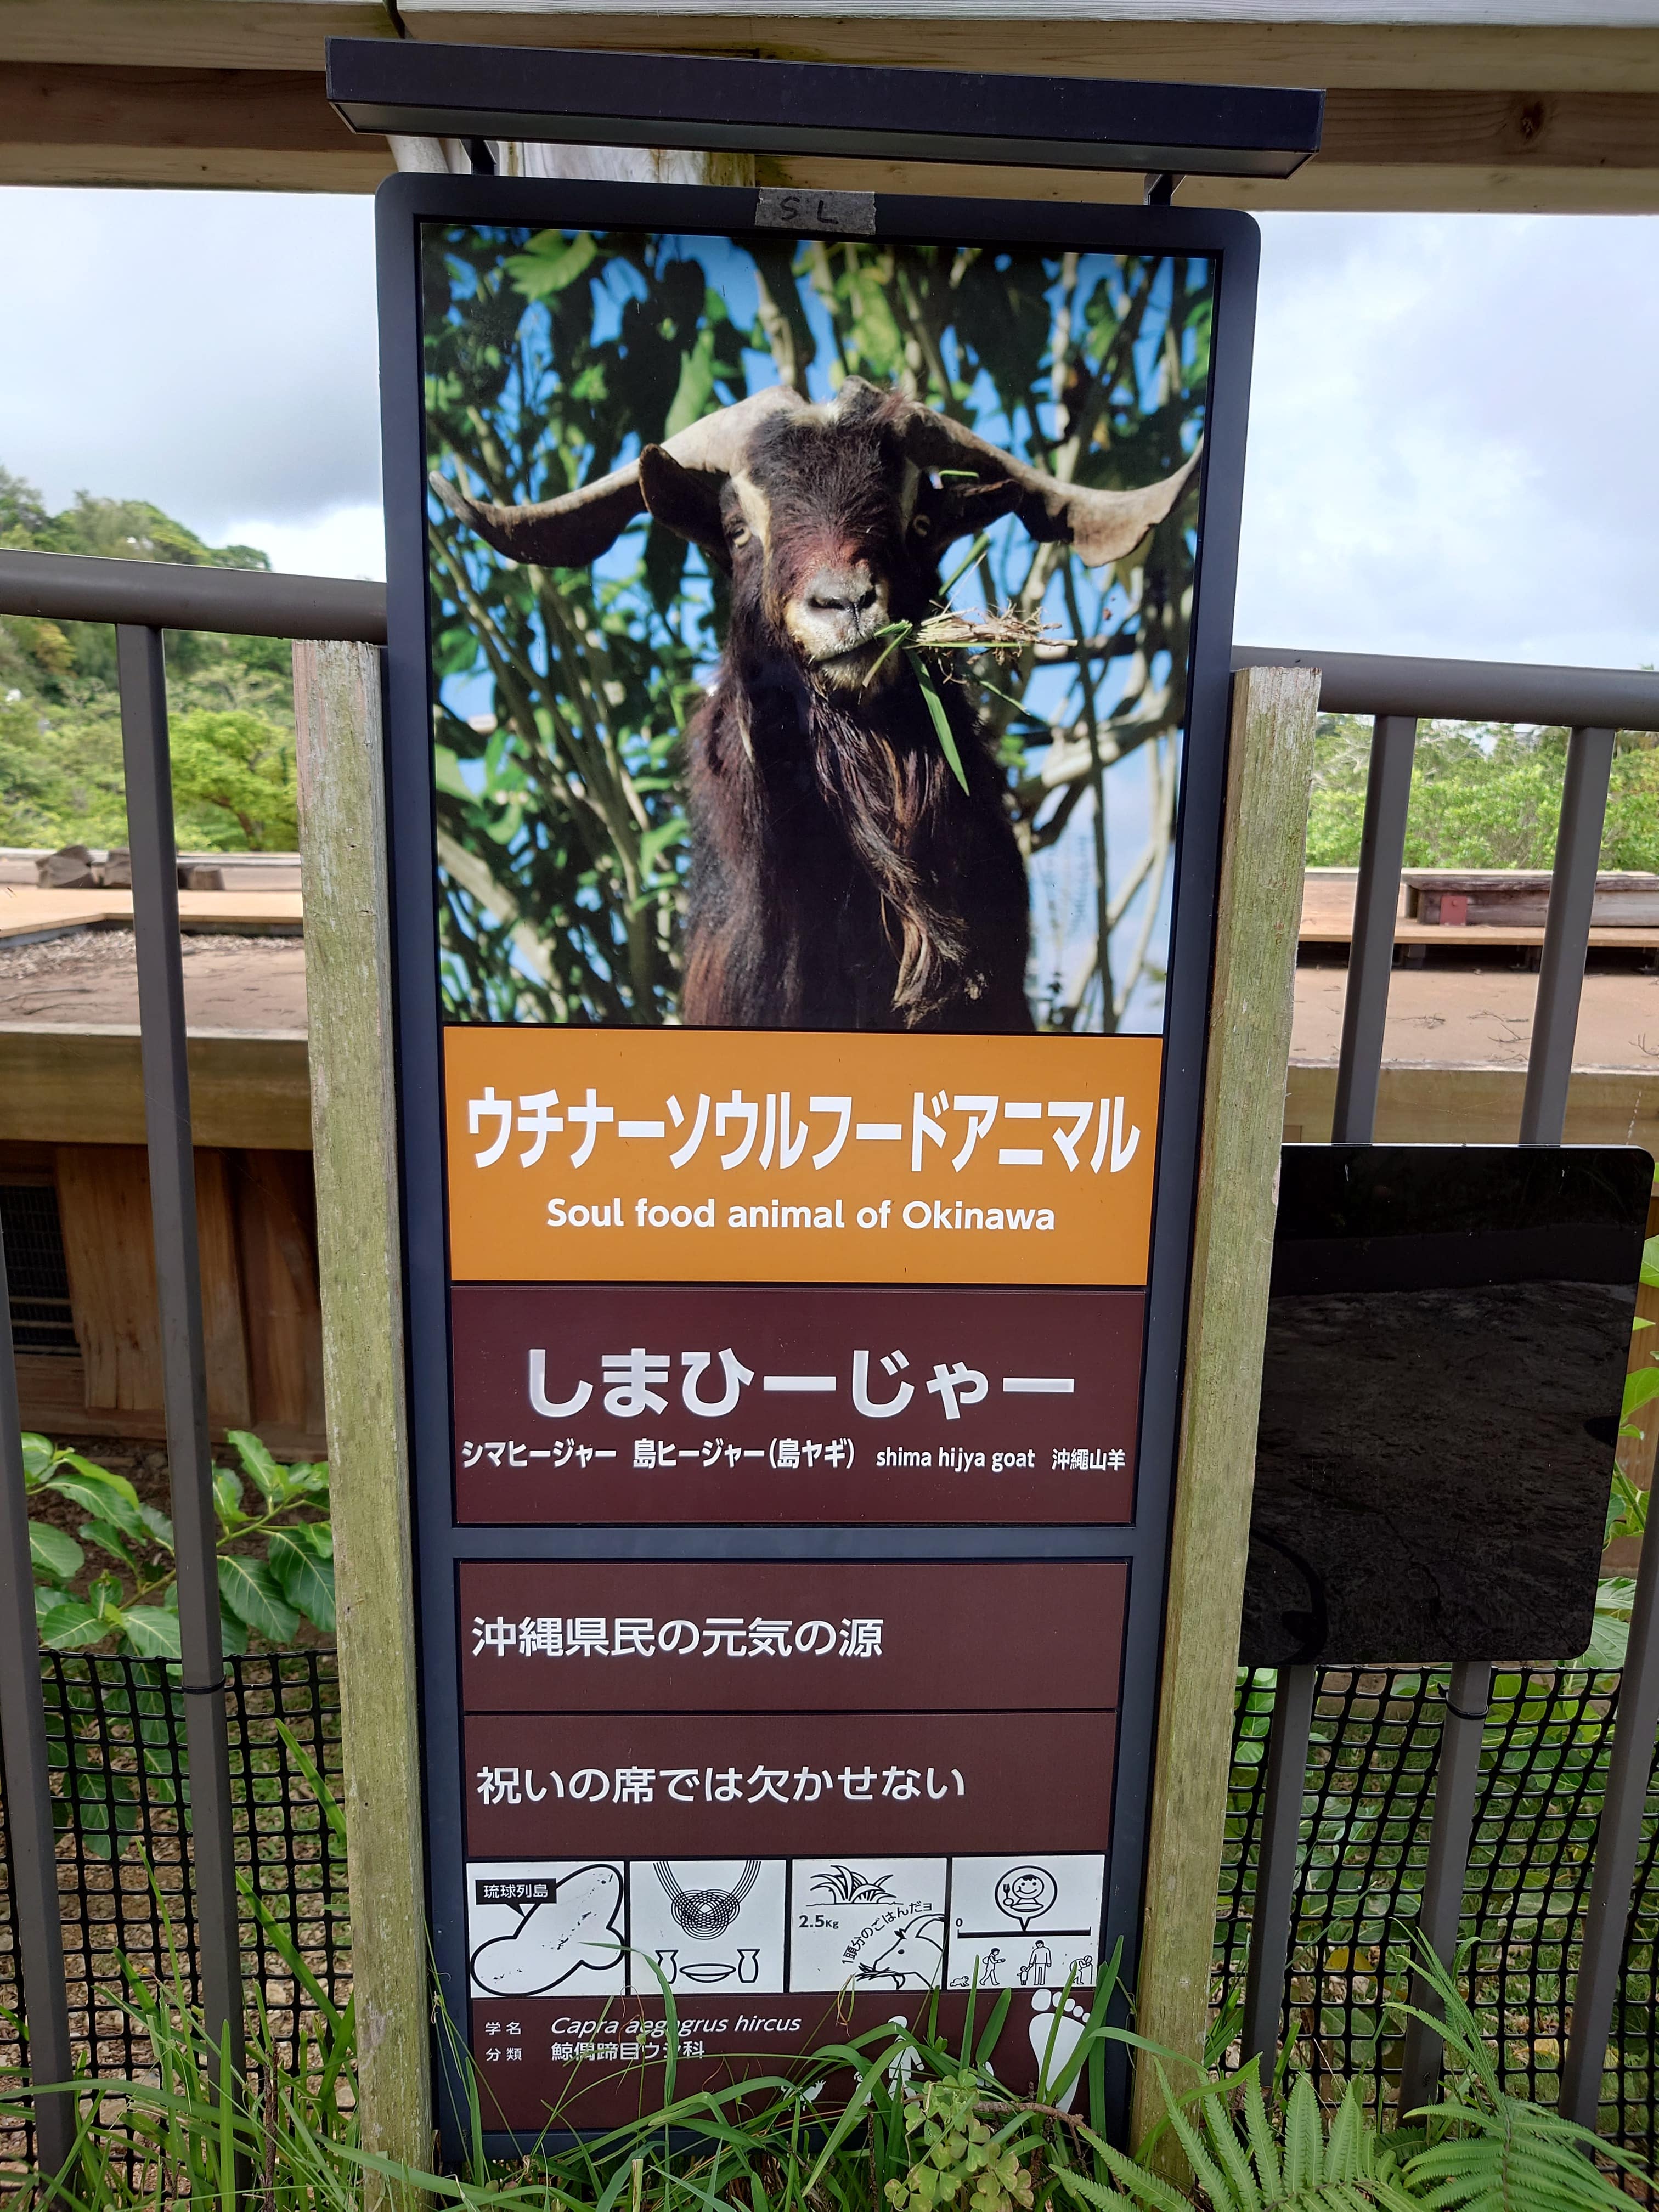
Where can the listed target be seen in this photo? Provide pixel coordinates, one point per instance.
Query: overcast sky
(1451, 446)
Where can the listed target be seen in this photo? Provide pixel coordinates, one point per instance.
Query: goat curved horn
(1101, 526)
(569, 531)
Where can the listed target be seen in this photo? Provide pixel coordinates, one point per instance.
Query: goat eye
(921, 526)
(741, 534)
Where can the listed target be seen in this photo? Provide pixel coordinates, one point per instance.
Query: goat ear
(965, 508)
(687, 500)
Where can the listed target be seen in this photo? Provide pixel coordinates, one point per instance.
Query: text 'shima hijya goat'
(840, 877)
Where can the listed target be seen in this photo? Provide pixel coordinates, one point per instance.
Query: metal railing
(143, 600)
(1594, 704)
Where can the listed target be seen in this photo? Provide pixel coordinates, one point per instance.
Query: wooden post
(1269, 771)
(337, 702)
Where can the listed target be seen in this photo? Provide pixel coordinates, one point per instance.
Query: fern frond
(1093, 2193)
(1304, 2138)
(1263, 2149)
(1219, 2121)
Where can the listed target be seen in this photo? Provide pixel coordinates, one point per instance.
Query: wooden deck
(1327, 919)
(27, 913)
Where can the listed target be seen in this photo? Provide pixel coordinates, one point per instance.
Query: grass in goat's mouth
(950, 632)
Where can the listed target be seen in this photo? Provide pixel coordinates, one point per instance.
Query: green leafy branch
(275, 1559)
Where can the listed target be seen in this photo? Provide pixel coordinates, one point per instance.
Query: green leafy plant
(891, 2119)
(1484, 2150)
(1248, 2154)
(276, 1558)
(957, 2157)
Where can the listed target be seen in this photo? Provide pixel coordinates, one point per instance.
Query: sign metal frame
(1231, 241)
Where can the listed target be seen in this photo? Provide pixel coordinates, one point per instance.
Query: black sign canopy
(702, 101)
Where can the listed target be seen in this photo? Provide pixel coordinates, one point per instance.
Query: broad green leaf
(1650, 1263)
(447, 773)
(252, 1592)
(1609, 1641)
(262, 1470)
(104, 1496)
(695, 394)
(104, 1591)
(227, 1497)
(304, 1580)
(152, 1632)
(37, 1455)
(550, 262)
(54, 1553)
(107, 1539)
(232, 1633)
(67, 1626)
(1640, 1388)
(160, 1527)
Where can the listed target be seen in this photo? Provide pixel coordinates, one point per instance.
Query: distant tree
(1484, 795)
(244, 765)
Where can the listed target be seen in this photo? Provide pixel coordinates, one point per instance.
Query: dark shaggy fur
(840, 877)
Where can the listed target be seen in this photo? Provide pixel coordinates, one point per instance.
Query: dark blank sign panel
(1447, 1341)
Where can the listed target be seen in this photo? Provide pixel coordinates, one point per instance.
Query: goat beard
(891, 792)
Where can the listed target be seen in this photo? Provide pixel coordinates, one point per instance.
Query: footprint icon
(1057, 2026)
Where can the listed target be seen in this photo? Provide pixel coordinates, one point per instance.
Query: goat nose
(842, 592)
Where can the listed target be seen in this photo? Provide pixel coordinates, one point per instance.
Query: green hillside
(231, 699)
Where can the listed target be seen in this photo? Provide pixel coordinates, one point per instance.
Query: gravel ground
(91, 978)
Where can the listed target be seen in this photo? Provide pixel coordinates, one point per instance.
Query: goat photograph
(809, 624)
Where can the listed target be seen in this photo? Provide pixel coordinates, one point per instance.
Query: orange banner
(586, 1155)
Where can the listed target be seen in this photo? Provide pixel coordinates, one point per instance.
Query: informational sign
(808, 685)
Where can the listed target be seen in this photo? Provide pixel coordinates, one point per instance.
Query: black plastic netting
(116, 1745)
(116, 1741)
(1365, 1835)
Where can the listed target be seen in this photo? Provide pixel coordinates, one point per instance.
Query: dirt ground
(230, 983)
(1438, 1014)
(1463, 1017)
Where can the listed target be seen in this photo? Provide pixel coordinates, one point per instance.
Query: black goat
(840, 876)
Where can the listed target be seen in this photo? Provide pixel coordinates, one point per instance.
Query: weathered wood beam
(1269, 777)
(337, 712)
(1525, 46)
(70, 1085)
(68, 123)
(1386, 146)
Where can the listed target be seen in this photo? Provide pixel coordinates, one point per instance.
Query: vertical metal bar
(1543, 1121)
(29, 1784)
(1543, 1117)
(1566, 936)
(178, 1288)
(1618, 1841)
(1370, 952)
(1456, 1779)
(1274, 1901)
